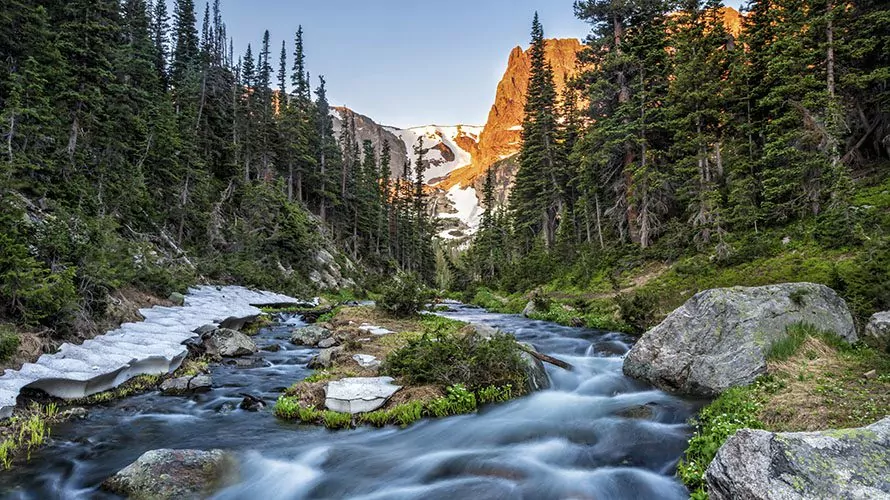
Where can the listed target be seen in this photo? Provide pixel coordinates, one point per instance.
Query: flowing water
(594, 435)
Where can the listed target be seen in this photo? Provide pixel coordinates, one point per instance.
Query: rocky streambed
(594, 434)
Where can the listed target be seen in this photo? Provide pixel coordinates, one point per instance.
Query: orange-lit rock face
(502, 136)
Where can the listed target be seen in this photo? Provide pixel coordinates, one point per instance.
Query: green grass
(735, 409)
(26, 432)
(796, 336)
(318, 376)
(458, 401)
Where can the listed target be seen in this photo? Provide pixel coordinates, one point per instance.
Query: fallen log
(547, 359)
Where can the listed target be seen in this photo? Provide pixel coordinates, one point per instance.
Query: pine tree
(185, 47)
(537, 194)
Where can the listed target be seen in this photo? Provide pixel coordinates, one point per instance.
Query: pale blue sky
(404, 62)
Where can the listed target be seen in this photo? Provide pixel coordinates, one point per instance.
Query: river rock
(359, 394)
(719, 338)
(534, 370)
(324, 358)
(186, 385)
(310, 335)
(846, 463)
(174, 474)
(529, 309)
(877, 331)
(252, 403)
(229, 343)
(327, 343)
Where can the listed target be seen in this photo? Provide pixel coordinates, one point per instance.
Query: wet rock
(846, 463)
(310, 335)
(641, 412)
(272, 348)
(719, 338)
(252, 403)
(327, 343)
(177, 299)
(359, 394)
(174, 474)
(877, 331)
(186, 385)
(237, 322)
(204, 329)
(229, 343)
(534, 370)
(324, 358)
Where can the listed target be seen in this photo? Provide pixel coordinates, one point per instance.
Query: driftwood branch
(547, 359)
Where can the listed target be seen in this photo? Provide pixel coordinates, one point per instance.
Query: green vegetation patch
(404, 296)
(9, 343)
(796, 336)
(447, 359)
(25, 432)
(459, 400)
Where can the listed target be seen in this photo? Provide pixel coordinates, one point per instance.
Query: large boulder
(174, 474)
(310, 335)
(720, 338)
(847, 463)
(877, 331)
(324, 358)
(229, 343)
(359, 394)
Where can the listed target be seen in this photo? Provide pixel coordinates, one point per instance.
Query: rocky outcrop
(502, 135)
(359, 394)
(367, 129)
(720, 338)
(174, 474)
(761, 465)
(310, 335)
(877, 331)
(328, 273)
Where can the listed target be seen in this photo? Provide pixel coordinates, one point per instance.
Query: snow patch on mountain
(443, 152)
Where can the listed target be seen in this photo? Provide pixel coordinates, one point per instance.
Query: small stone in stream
(272, 348)
(251, 403)
(310, 335)
(175, 474)
(366, 361)
(328, 342)
(186, 385)
(226, 408)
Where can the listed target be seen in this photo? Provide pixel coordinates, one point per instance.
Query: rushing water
(585, 438)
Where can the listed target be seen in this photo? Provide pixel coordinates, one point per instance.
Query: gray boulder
(877, 331)
(327, 343)
(529, 309)
(174, 474)
(229, 343)
(359, 394)
(324, 358)
(846, 463)
(310, 335)
(186, 385)
(719, 338)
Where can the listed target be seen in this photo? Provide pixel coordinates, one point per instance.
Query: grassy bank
(814, 381)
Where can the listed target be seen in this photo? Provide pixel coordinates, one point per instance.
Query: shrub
(735, 409)
(404, 296)
(9, 343)
(449, 359)
(638, 310)
(458, 401)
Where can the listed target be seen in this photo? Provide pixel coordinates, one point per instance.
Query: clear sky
(403, 62)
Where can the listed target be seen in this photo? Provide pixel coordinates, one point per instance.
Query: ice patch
(152, 347)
